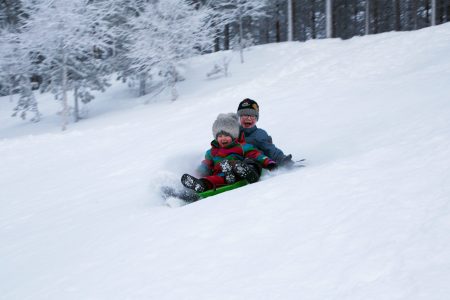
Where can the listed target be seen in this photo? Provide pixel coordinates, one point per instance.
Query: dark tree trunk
(367, 17)
(142, 84)
(76, 110)
(446, 9)
(277, 25)
(313, 19)
(277, 30)
(414, 14)
(397, 13)
(216, 40)
(226, 37)
(294, 21)
(355, 18)
(376, 17)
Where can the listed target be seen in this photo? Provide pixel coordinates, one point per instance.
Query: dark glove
(272, 166)
(287, 161)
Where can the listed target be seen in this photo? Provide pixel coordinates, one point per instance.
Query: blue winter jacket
(260, 139)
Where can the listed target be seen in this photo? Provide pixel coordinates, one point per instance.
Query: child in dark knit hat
(248, 112)
(228, 160)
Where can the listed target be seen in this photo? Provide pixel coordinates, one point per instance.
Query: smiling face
(224, 139)
(248, 121)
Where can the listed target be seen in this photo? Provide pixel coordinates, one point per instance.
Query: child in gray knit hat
(228, 160)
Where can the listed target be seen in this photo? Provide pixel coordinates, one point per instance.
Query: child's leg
(247, 170)
(198, 185)
(202, 184)
(215, 181)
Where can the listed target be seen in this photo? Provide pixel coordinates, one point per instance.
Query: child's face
(247, 121)
(224, 140)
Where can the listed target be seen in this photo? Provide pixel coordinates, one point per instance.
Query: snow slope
(369, 218)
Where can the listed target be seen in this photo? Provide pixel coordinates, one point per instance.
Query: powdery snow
(369, 218)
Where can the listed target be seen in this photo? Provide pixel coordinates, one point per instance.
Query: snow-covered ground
(368, 218)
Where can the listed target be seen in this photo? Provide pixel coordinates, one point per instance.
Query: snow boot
(193, 183)
(227, 171)
(186, 195)
(246, 170)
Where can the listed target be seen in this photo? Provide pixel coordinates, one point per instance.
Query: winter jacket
(262, 141)
(234, 151)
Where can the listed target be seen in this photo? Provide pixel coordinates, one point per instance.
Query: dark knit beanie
(248, 107)
(226, 124)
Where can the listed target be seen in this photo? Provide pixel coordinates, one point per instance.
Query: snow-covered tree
(27, 101)
(117, 15)
(16, 74)
(235, 11)
(218, 22)
(164, 34)
(7, 62)
(68, 39)
(89, 78)
(10, 14)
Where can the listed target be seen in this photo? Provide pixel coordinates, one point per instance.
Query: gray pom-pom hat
(226, 124)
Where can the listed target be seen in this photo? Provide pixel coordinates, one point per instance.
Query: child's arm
(251, 152)
(265, 144)
(207, 165)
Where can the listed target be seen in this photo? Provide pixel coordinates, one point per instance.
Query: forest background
(73, 48)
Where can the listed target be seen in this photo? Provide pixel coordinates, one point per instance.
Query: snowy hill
(369, 218)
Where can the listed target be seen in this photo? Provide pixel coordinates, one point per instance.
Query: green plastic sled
(222, 189)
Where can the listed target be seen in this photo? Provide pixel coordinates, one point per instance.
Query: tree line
(71, 48)
(345, 18)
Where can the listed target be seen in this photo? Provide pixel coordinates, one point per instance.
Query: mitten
(287, 161)
(272, 166)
